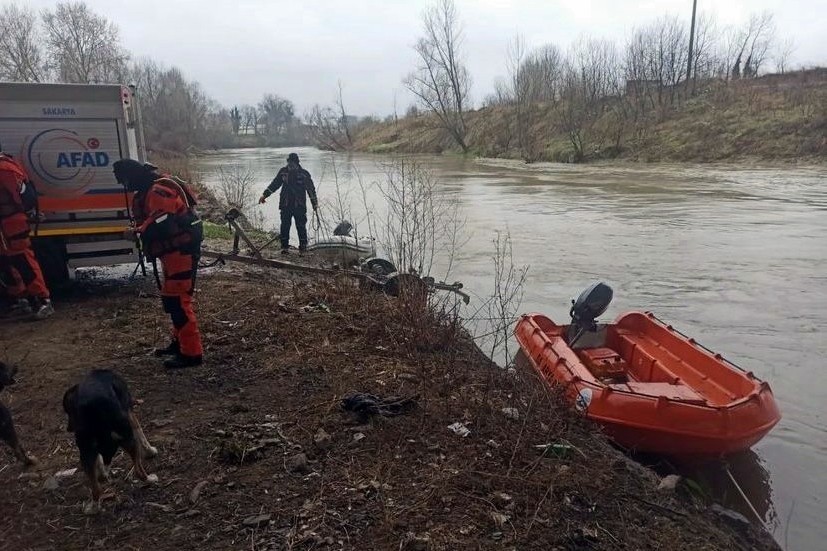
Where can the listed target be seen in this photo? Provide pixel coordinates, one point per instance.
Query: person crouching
(170, 231)
(21, 273)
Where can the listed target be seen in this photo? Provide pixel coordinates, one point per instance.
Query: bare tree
(276, 113)
(542, 71)
(762, 38)
(344, 119)
(783, 54)
(333, 128)
(176, 112)
(216, 127)
(235, 117)
(656, 60)
(325, 128)
(514, 56)
(423, 221)
(749, 45)
(146, 74)
(83, 47)
(441, 81)
(654, 66)
(501, 94)
(236, 187)
(21, 58)
(249, 116)
(520, 91)
(395, 109)
(507, 296)
(591, 76)
(705, 57)
(534, 77)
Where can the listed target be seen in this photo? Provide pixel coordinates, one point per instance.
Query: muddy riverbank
(256, 451)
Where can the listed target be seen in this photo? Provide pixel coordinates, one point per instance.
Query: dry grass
(776, 117)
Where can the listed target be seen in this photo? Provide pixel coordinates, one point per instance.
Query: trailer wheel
(378, 267)
(408, 287)
(52, 257)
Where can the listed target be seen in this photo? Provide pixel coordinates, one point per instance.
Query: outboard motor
(589, 305)
(343, 228)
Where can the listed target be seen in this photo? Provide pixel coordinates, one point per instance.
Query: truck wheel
(52, 257)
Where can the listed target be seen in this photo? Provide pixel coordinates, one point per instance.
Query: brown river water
(733, 255)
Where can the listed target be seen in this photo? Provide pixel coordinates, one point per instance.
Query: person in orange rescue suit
(296, 185)
(170, 231)
(21, 273)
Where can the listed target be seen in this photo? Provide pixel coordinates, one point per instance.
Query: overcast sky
(240, 49)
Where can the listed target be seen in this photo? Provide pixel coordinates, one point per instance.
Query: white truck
(67, 137)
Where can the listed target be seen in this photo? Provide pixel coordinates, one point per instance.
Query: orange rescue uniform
(163, 199)
(18, 260)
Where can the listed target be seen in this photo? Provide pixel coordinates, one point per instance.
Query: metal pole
(139, 125)
(691, 42)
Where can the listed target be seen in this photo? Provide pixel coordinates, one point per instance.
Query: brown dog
(7, 432)
(101, 417)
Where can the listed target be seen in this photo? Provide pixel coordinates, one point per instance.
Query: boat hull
(342, 249)
(679, 399)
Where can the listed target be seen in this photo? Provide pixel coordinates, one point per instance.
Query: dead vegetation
(772, 118)
(257, 453)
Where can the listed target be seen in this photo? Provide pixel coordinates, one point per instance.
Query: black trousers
(287, 216)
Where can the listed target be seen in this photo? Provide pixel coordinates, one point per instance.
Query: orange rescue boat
(652, 388)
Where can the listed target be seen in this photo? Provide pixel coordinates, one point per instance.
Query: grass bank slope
(772, 118)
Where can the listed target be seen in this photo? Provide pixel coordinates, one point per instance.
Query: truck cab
(67, 137)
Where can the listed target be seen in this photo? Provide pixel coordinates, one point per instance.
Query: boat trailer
(376, 273)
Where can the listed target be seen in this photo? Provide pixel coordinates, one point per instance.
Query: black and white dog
(7, 432)
(101, 417)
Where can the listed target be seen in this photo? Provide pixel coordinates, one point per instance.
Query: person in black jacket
(296, 185)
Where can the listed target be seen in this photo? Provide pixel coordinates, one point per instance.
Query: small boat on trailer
(651, 388)
(342, 246)
(344, 249)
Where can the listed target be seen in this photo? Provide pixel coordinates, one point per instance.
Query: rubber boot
(180, 361)
(43, 308)
(173, 349)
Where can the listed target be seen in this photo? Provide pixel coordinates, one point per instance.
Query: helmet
(134, 176)
(293, 158)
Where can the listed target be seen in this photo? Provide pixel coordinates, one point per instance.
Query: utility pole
(691, 42)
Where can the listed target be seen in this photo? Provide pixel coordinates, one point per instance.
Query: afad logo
(63, 162)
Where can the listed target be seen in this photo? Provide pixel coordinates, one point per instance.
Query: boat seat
(645, 365)
(605, 364)
(681, 393)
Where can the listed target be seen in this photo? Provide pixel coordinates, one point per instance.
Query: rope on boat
(746, 499)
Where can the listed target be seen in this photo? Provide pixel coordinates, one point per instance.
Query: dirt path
(281, 353)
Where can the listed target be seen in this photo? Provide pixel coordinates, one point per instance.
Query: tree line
(71, 43)
(599, 91)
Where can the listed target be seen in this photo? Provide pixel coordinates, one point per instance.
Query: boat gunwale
(576, 380)
(761, 386)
